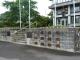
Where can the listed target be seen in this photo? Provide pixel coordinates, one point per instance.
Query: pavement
(11, 51)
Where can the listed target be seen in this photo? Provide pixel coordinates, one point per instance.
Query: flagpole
(74, 12)
(20, 12)
(53, 14)
(29, 14)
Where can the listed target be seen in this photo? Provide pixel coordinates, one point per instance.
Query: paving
(11, 51)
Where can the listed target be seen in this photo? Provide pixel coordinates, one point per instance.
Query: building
(66, 12)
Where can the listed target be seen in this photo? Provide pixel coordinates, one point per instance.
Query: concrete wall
(67, 39)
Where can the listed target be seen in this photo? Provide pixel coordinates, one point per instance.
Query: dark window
(36, 43)
(62, 11)
(63, 23)
(59, 11)
(58, 32)
(42, 44)
(42, 38)
(77, 19)
(49, 39)
(72, 20)
(8, 33)
(77, 8)
(42, 32)
(58, 39)
(49, 32)
(58, 20)
(29, 34)
(49, 45)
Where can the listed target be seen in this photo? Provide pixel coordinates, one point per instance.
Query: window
(49, 38)
(8, 33)
(5, 33)
(59, 11)
(72, 20)
(77, 19)
(77, 8)
(42, 38)
(58, 20)
(49, 32)
(63, 23)
(49, 45)
(36, 43)
(62, 10)
(42, 32)
(42, 44)
(29, 34)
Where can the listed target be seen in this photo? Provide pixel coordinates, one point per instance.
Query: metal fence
(67, 39)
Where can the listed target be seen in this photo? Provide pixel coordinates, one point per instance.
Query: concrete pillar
(74, 12)
(53, 2)
(55, 13)
(53, 17)
(69, 17)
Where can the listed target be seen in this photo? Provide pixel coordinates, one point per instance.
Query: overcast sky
(42, 6)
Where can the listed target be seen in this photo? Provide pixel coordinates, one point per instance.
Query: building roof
(63, 4)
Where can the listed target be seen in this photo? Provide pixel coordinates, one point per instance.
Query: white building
(66, 12)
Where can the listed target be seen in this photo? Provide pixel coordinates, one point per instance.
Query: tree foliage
(41, 21)
(51, 18)
(11, 17)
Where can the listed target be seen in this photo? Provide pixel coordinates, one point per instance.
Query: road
(10, 51)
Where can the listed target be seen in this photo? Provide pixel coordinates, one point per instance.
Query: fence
(67, 39)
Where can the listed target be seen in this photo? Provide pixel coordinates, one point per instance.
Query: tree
(12, 16)
(50, 18)
(41, 21)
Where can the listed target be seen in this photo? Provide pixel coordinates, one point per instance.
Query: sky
(42, 7)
